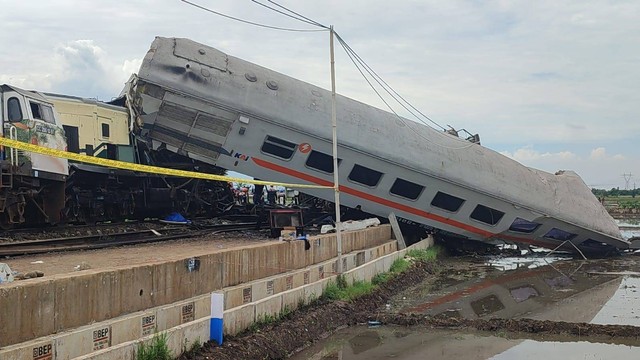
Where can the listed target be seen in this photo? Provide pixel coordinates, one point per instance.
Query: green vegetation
(157, 349)
(615, 193)
(268, 319)
(340, 290)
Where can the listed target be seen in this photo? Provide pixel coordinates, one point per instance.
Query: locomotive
(199, 102)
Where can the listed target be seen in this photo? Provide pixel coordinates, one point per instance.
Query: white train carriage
(198, 101)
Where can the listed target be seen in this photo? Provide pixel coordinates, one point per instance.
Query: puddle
(603, 291)
(551, 350)
(400, 343)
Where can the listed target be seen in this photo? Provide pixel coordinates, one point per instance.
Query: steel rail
(92, 242)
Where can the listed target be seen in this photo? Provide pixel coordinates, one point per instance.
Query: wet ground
(605, 292)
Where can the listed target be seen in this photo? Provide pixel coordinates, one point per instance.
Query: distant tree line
(615, 192)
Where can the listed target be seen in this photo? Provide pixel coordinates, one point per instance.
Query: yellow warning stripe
(138, 167)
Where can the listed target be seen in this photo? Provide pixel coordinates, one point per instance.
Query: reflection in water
(600, 291)
(551, 350)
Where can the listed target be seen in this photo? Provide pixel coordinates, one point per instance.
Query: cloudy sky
(552, 84)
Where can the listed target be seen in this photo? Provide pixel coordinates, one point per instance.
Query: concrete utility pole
(334, 125)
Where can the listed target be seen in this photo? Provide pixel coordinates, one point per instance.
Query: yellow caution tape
(138, 167)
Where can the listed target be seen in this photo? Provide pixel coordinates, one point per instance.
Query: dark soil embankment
(312, 323)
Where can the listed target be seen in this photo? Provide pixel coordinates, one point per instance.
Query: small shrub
(426, 255)
(399, 266)
(381, 278)
(157, 349)
(358, 289)
(332, 291)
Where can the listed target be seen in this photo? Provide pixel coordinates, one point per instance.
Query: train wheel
(5, 222)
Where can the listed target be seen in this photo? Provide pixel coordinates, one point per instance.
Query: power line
(393, 111)
(296, 16)
(386, 86)
(248, 22)
(302, 16)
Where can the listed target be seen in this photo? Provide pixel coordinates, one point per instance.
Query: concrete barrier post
(217, 310)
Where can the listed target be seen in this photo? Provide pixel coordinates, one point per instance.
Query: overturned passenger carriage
(200, 102)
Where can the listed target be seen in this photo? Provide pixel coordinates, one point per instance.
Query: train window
(447, 202)
(487, 215)
(105, 130)
(524, 226)
(364, 175)
(558, 234)
(13, 107)
(42, 112)
(321, 161)
(278, 147)
(406, 189)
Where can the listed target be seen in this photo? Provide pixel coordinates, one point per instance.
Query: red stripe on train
(389, 203)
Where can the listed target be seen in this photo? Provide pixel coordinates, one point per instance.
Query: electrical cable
(249, 22)
(393, 111)
(300, 15)
(371, 71)
(303, 19)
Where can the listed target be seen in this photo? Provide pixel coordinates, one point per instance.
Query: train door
(73, 138)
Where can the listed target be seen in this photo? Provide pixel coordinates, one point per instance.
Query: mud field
(427, 285)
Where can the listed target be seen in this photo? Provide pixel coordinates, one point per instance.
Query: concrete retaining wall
(187, 322)
(39, 307)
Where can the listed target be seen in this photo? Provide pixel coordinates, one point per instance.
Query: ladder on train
(6, 170)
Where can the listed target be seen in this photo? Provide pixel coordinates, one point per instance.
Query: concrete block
(314, 291)
(270, 306)
(39, 349)
(91, 338)
(131, 327)
(27, 310)
(124, 351)
(233, 297)
(203, 306)
(176, 314)
(292, 298)
(259, 290)
(238, 319)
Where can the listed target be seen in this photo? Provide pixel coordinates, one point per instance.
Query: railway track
(99, 241)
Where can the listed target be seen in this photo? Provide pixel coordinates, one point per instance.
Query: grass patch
(425, 255)
(399, 265)
(157, 349)
(339, 290)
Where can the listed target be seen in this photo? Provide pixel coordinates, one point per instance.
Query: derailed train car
(200, 102)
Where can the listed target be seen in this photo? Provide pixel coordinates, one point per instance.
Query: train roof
(28, 93)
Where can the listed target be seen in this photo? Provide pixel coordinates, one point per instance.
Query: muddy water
(599, 291)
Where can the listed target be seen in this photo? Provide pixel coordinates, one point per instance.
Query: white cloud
(598, 153)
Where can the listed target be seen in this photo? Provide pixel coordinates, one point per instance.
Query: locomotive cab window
(406, 189)
(42, 112)
(14, 110)
(279, 148)
(487, 215)
(365, 176)
(524, 226)
(321, 161)
(447, 202)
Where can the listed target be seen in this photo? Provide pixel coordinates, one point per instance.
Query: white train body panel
(246, 118)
